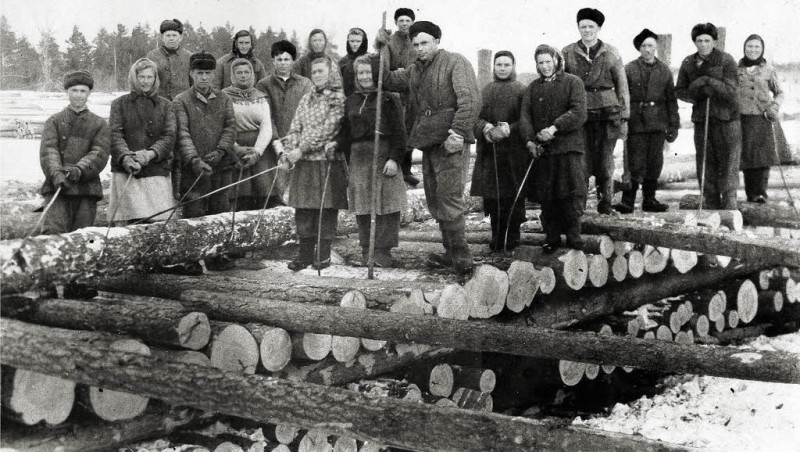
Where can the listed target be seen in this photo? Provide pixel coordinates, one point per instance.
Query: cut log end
(453, 303)
(441, 380)
(747, 301)
(275, 349)
(598, 270)
(635, 264)
(33, 397)
(194, 331)
(233, 348)
(114, 405)
(487, 291)
(547, 280)
(571, 372)
(619, 268)
(311, 346)
(523, 283)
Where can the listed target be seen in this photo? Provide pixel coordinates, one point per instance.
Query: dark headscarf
(312, 55)
(364, 43)
(506, 53)
(235, 50)
(747, 62)
(553, 52)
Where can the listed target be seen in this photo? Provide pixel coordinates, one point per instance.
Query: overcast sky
(467, 25)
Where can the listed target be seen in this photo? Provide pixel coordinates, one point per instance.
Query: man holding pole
(708, 80)
(444, 94)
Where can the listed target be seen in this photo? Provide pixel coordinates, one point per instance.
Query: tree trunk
(30, 397)
(489, 337)
(470, 399)
(274, 346)
(379, 293)
(86, 254)
(769, 251)
(486, 291)
(153, 322)
(232, 348)
(388, 421)
(754, 214)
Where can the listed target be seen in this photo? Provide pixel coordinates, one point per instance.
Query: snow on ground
(715, 413)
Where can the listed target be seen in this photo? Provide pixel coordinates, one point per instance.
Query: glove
(773, 111)
(73, 173)
(699, 82)
(294, 156)
(486, 129)
(454, 143)
(382, 38)
(130, 165)
(213, 158)
(534, 149)
(278, 146)
(390, 168)
(496, 134)
(283, 163)
(672, 135)
(505, 129)
(144, 157)
(248, 159)
(330, 150)
(201, 167)
(59, 179)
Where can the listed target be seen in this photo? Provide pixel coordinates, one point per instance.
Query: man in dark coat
(206, 133)
(654, 118)
(501, 154)
(284, 89)
(74, 150)
(444, 94)
(172, 60)
(600, 67)
(710, 78)
(242, 47)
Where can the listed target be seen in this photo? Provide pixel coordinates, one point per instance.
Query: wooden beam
(341, 412)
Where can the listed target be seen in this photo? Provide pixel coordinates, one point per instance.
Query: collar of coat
(580, 51)
(204, 98)
(424, 64)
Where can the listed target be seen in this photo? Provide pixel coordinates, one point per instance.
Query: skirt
(758, 143)
(143, 197)
(557, 176)
(259, 186)
(306, 181)
(359, 189)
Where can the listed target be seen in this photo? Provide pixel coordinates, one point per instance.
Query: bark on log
(755, 214)
(469, 399)
(605, 330)
(486, 292)
(181, 356)
(564, 308)
(387, 387)
(393, 422)
(232, 348)
(490, 337)
(595, 244)
(108, 404)
(274, 346)
(154, 323)
(156, 422)
(769, 251)
(31, 397)
(379, 293)
(86, 255)
(523, 284)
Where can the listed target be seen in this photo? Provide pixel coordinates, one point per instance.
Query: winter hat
(203, 61)
(592, 14)
(283, 46)
(639, 39)
(424, 26)
(505, 53)
(171, 24)
(404, 12)
(704, 29)
(78, 78)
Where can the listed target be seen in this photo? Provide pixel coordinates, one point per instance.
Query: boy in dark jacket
(74, 150)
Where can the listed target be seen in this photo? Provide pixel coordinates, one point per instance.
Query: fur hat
(424, 26)
(171, 24)
(283, 46)
(404, 12)
(639, 39)
(78, 78)
(203, 61)
(704, 29)
(591, 14)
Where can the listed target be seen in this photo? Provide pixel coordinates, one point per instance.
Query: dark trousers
(756, 181)
(645, 155)
(503, 218)
(307, 223)
(69, 213)
(601, 137)
(562, 215)
(216, 203)
(723, 151)
(444, 178)
(387, 230)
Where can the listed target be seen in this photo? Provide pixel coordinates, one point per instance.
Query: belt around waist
(594, 90)
(648, 104)
(434, 112)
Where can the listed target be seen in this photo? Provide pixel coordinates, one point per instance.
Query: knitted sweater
(251, 109)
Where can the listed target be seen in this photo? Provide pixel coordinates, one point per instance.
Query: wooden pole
(491, 337)
(376, 182)
(396, 423)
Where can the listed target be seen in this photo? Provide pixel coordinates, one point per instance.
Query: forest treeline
(109, 55)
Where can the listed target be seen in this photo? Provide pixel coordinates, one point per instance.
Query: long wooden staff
(376, 183)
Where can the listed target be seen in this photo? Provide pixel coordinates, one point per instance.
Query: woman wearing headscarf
(356, 139)
(317, 43)
(253, 135)
(357, 45)
(311, 153)
(553, 113)
(501, 155)
(242, 47)
(760, 97)
(143, 129)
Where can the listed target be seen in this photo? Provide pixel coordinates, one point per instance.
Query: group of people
(304, 135)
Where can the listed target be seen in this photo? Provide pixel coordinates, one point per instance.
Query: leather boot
(628, 202)
(383, 257)
(305, 255)
(445, 259)
(459, 249)
(324, 255)
(649, 203)
(573, 233)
